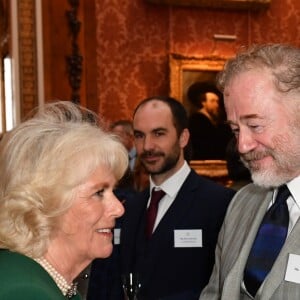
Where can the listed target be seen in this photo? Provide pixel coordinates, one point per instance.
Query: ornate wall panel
(226, 4)
(27, 53)
(132, 55)
(134, 41)
(69, 46)
(281, 23)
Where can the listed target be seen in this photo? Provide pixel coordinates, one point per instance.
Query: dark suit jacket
(167, 272)
(24, 279)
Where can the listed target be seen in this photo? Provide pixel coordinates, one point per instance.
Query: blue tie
(268, 242)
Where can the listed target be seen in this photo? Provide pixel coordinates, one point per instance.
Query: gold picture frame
(213, 169)
(184, 71)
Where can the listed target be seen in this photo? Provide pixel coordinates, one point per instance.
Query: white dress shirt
(293, 202)
(171, 187)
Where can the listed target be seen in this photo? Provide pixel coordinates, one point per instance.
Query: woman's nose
(118, 208)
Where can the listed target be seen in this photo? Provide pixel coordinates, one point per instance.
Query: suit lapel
(258, 203)
(277, 275)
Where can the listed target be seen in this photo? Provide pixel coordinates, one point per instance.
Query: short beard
(169, 163)
(286, 160)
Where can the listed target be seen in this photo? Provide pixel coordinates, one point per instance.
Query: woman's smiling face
(87, 227)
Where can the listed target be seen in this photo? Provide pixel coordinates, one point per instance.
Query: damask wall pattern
(132, 52)
(279, 24)
(135, 38)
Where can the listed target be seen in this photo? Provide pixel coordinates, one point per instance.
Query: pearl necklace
(68, 290)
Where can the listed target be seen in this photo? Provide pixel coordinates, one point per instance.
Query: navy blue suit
(167, 272)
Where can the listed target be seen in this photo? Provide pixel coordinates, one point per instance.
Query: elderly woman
(57, 207)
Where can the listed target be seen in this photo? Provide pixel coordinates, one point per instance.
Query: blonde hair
(41, 162)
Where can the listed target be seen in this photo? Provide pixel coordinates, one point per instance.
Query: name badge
(293, 269)
(117, 235)
(187, 238)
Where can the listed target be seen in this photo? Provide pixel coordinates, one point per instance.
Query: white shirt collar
(172, 185)
(294, 187)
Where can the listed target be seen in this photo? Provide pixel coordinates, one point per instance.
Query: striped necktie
(268, 242)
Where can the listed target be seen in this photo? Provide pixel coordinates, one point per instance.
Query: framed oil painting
(186, 72)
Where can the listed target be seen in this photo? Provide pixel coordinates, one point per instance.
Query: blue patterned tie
(268, 242)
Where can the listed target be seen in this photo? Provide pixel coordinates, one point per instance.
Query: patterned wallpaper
(135, 38)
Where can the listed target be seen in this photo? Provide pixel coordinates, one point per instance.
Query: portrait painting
(186, 71)
(190, 79)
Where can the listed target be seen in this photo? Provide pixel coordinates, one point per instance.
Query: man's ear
(184, 138)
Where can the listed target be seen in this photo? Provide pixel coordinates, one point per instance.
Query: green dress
(22, 278)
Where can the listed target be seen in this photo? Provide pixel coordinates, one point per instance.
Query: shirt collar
(172, 185)
(294, 187)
